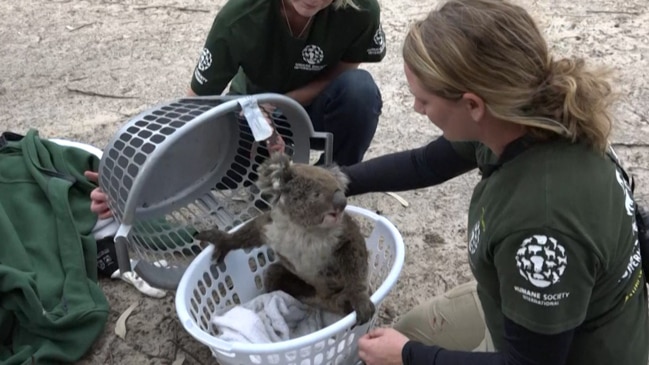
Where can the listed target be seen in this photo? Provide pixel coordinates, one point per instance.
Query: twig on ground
(446, 286)
(179, 8)
(101, 95)
(78, 78)
(177, 23)
(175, 340)
(127, 115)
(398, 198)
(72, 29)
(624, 144)
(179, 360)
(109, 357)
(120, 327)
(612, 12)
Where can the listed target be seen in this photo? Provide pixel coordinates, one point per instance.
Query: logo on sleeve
(312, 56)
(635, 259)
(204, 63)
(541, 260)
(475, 238)
(379, 41)
(478, 228)
(206, 60)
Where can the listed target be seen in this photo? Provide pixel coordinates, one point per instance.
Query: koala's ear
(274, 173)
(342, 178)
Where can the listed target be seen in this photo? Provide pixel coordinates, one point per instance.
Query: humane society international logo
(478, 228)
(204, 62)
(379, 41)
(312, 55)
(475, 238)
(635, 260)
(541, 260)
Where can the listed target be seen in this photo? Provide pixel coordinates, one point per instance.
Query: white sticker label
(261, 129)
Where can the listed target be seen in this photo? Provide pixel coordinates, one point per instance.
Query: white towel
(105, 227)
(270, 317)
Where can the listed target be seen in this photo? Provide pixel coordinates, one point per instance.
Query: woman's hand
(382, 346)
(98, 199)
(275, 143)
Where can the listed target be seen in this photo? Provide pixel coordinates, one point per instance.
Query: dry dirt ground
(135, 53)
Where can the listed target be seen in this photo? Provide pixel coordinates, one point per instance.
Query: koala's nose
(339, 201)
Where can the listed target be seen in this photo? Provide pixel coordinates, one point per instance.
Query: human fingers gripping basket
(188, 163)
(207, 288)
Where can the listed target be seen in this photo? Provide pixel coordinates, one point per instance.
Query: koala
(322, 257)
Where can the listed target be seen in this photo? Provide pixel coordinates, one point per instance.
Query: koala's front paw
(362, 305)
(364, 310)
(218, 239)
(219, 253)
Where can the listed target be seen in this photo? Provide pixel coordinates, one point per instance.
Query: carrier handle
(121, 248)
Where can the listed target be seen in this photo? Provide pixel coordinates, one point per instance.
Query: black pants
(349, 108)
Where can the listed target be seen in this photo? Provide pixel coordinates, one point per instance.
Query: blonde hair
(494, 49)
(340, 4)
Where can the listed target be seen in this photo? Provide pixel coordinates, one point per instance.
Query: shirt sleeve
(216, 65)
(370, 45)
(426, 166)
(467, 150)
(546, 279)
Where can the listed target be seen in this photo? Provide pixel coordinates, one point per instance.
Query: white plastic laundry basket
(207, 288)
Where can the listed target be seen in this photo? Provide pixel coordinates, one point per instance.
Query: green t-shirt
(553, 245)
(251, 39)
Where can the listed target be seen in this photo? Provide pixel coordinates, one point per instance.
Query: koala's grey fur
(322, 257)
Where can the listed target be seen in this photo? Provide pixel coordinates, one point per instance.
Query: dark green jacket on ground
(51, 307)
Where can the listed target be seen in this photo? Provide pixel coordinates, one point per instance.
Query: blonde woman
(553, 242)
(309, 50)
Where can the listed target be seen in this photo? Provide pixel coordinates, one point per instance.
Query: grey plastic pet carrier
(187, 164)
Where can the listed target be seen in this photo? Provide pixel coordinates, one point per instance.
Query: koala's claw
(365, 309)
(216, 238)
(219, 255)
(211, 236)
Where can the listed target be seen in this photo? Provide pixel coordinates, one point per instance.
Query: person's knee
(359, 105)
(349, 108)
(360, 91)
(452, 320)
(468, 288)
